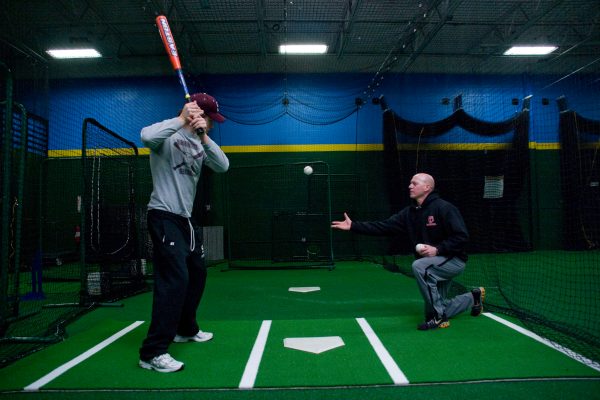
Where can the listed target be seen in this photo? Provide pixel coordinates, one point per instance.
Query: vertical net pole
(6, 163)
(19, 205)
(329, 217)
(83, 213)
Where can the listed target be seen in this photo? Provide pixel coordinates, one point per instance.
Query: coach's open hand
(342, 225)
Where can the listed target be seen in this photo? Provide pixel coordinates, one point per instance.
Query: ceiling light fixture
(74, 53)
(302, 49)
(529, 50)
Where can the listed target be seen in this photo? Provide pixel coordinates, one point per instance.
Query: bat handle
(199, 131)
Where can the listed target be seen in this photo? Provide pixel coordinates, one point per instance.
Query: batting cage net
(512, 141)
(502, 186)
(40, 272)
(579, 178)
(111, 265)
(71, 241)
(279, 216)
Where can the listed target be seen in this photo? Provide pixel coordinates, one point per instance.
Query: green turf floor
(476, 350)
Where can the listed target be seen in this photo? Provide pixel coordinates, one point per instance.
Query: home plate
(315, 345)
(304, 289)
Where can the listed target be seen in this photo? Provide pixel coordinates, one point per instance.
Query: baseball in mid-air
(420, 247)
(308, 170)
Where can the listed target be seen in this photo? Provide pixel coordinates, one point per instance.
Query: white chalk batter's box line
(252, 366)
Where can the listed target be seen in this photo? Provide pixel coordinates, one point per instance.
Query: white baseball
(420, 247)
(308, 170)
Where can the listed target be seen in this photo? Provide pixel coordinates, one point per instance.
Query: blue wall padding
(320, 109)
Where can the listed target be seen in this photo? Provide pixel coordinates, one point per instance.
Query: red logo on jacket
(431, 221)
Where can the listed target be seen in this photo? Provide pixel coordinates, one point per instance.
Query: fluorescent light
(302, 49)
(74, 53)
(529, 50)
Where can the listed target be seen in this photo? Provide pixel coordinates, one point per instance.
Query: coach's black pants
(179, 280)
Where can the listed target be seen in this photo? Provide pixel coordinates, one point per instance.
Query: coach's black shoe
(478, 298)
(434, 323)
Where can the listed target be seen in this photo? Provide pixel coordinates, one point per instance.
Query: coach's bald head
(420, 186)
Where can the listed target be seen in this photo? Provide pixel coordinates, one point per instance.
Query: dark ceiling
(242, 36)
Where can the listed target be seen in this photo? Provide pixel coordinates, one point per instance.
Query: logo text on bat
(169, 37)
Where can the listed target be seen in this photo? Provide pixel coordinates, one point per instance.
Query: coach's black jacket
(436, 222)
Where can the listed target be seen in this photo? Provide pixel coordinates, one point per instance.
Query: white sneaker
(198, 337)
(162, 363)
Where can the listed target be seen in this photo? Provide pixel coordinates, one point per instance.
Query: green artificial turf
(235, 304)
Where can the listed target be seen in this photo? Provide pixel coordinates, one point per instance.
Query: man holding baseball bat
(437, 230)
(179, 148)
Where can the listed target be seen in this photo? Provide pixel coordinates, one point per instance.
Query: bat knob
(200, 132)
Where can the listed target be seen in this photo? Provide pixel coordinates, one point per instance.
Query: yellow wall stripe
(544, 146)
(305, 148)
(64, 153)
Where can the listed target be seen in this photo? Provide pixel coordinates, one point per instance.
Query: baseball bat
(171, 48)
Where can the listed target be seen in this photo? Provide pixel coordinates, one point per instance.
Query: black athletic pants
(179, 280)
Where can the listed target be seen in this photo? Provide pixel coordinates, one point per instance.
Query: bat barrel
(168, 41)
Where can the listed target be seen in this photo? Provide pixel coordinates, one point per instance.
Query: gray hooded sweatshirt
(176, 159)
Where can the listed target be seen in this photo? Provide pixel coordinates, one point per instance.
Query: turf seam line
(558, 347)
(318, 388)
(386, 359)
(251, 370)
(82, 357)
